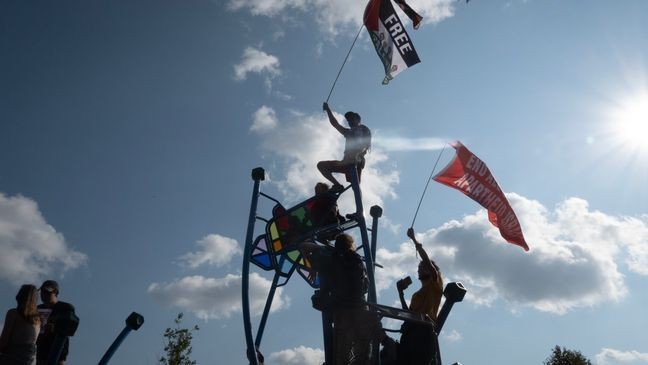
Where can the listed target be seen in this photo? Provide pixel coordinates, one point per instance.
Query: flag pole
(426, 186)
(344, 63)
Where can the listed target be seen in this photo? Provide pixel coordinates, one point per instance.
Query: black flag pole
(426, 185)
(344, 63)
(348, 53)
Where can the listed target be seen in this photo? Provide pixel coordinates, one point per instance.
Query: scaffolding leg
(367, 249)
(258, 174)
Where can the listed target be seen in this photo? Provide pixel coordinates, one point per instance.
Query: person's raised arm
(334, 122)
(401, 285)
(308, 249)
(421, 251)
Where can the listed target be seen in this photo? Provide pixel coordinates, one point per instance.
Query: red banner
(470, 175)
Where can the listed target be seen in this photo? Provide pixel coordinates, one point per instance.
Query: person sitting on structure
(417, 344)
(325, 210)
(357, 143)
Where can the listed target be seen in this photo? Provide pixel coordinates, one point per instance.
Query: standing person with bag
(356, 330)
(21, 327)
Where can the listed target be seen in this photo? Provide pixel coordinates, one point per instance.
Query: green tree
(563, 356)
(177, 344)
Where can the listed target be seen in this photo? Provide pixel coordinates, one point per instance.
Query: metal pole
(375, 212)
(258, 174)
(111, 350)
(369, 260)
(369, 256)
(454, 293)
(133, 322)
(268, 304)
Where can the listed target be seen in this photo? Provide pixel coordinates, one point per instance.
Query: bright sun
(629, 123)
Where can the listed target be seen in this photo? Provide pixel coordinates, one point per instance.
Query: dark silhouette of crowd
(34, 333)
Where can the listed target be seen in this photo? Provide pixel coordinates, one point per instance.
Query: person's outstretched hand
(325, 106)
(410, 233)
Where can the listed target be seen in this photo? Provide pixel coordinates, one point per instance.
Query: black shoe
(337, 188)
(352, 216)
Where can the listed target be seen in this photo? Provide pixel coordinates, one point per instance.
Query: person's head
(353, 118)
(26, 301)
(424, 271)
(49, 292)
(321, 187)
(344, 242)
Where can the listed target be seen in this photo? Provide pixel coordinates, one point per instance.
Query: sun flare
(629, 123)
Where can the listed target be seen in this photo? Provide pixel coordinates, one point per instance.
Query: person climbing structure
(357, 143)
(417, 340)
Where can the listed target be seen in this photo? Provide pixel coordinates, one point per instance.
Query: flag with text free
(387, 32)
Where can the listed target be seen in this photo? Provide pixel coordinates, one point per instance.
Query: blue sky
(128, 131)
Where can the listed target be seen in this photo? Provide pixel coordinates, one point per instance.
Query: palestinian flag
(387, 32)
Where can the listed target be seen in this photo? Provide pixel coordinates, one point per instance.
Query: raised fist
(410, 233)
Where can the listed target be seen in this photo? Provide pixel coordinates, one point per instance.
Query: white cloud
(298, 356)
(302, 140)
(433, 11)
(257, 61)
(408, 144)
(573, 262)
(266, 7)
(264, 118)
(31, 248)
(609, 356)
(339, 16)
(281, 95)
(216, 298)
(215, 250)
(453, 336)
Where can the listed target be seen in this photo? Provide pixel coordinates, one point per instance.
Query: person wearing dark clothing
(325, 211)
(418, 341)
(344, 285)
(352, 337)
(50, 311)
(357, 143)
(21, 327)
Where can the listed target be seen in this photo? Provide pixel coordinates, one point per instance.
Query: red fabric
(470, 175)
(371, 15)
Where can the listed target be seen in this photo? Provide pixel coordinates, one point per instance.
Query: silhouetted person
(321, 188)
(354, 328)
(357, 143)
(325, 209)
(417, 340)
(21, 327)
(50, 310)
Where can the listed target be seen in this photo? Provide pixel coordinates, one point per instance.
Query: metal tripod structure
(285, 262)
